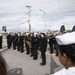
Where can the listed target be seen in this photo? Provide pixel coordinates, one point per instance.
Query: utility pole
(29, 8)
(45, 18)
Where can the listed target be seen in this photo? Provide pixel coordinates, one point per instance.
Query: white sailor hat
(66, 39)
(35, 33)
(18, 34)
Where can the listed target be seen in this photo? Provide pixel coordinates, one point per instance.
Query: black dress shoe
(31, 56)
(21, 52)
(40, 63)
(27, 53)
(35, 58)
(43, 64)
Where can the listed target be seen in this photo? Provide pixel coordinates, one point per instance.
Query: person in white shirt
(66, 53)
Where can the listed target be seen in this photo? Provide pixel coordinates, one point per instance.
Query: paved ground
(22, 64)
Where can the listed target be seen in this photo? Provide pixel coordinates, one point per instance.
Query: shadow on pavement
(53, 66)
(3, 50)
(15, 71)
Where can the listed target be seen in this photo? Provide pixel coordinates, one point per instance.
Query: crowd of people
(31, 43)
(28, 42)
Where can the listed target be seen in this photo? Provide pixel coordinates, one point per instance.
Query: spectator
(66, 53)
(3, 66)
(1, 41)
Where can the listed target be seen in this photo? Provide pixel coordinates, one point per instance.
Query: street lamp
(45, 18)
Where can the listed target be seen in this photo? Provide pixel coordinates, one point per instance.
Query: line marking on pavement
(50, 54)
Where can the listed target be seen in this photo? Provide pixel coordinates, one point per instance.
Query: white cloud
(69, 23)
(13, 14)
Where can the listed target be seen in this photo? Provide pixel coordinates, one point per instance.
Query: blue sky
(13, 14)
